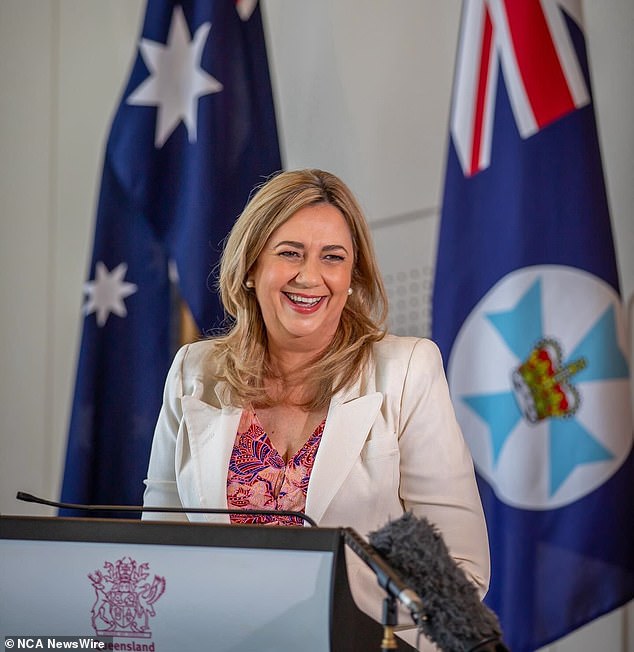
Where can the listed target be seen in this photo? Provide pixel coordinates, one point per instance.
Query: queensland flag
(527, 313)
(194, 132)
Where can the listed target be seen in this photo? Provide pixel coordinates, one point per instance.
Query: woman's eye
(289, 254)
(334, 257)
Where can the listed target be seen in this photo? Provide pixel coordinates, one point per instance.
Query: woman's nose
(308, 274)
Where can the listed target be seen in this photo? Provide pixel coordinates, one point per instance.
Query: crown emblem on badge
(543, 386)
(124, 599)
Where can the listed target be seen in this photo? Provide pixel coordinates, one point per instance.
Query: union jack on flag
(542, 72)
(527, 313)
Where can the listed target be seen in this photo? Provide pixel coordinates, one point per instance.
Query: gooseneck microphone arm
(386, 576)
(30, 498)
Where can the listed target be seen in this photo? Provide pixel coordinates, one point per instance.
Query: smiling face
(302, 278)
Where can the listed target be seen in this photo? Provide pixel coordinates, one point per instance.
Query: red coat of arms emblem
(124, 599)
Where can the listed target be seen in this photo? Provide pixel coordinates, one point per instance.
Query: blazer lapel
(348, 424)
(211, 432)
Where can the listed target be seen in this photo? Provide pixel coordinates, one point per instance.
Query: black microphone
(387, 578)
(454, 617)
(30, 498)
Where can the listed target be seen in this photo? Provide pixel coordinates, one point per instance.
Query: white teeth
(307, 301)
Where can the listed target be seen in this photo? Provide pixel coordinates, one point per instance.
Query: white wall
(373, 108)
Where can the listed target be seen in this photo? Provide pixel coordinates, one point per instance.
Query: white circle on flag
(547, 462)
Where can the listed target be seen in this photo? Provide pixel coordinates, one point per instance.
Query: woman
(312, 407)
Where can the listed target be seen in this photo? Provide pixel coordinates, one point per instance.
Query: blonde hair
(243, 361)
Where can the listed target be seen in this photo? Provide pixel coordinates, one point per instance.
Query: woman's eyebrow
(300, 245)
(333, 247)
(289, 243)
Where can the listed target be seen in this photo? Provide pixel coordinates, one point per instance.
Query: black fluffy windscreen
(455, 618)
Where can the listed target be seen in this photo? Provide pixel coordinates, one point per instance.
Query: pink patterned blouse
(258, 477)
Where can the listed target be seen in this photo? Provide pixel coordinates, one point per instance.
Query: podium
(180, 587)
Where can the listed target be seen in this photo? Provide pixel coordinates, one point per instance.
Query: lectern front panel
(164, 597)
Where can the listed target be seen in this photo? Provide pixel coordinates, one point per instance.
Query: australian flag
(195, 131)
(527, 313)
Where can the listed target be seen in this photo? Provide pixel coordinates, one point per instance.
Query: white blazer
(391, 443)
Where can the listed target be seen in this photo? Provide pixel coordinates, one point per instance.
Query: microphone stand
(389, 620)
(394, 586)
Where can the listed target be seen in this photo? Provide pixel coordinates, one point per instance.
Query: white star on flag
(176, 79)
(245, 8)
(107, 291)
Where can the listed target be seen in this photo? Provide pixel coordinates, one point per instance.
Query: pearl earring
(349, 291)
(250, 284)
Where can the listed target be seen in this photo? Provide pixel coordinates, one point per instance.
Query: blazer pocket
(378, 447)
